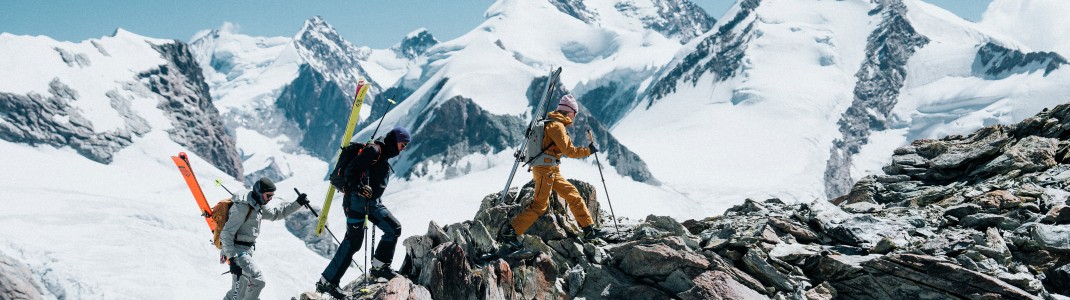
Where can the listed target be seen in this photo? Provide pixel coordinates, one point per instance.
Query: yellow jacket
(562, 144)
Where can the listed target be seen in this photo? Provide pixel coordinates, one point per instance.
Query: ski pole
(219, 182)
(391, 101)
(591, 138)
(365, 281)
(314, 214)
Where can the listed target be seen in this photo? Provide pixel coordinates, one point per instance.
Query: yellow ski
(358, 101)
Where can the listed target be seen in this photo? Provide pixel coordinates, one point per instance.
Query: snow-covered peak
(319, 37)
(416, 43)
(322, 48)
(122, 34)
(1040, 24)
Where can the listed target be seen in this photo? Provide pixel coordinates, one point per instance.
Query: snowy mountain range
(788, 99)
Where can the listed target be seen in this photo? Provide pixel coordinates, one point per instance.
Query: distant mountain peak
(320, 44)
(416, 43)
(674, 18)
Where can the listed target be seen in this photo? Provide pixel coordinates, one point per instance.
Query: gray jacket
(243, 222)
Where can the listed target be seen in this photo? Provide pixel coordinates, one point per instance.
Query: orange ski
(191, 180)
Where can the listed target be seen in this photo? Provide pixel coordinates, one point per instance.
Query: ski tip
(182, 155)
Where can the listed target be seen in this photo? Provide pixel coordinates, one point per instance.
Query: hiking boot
(509, 238)
(591, 233)
(324, 286)
(384, 271)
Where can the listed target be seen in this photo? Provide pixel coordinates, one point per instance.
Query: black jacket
(371, 168)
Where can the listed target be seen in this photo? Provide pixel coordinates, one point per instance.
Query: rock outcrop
(982, 216)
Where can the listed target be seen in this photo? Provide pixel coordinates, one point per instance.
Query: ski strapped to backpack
(535, 154)
(354, 115)
(520, 154)
(182, 162)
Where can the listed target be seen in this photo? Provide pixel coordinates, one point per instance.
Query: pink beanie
(568, 102)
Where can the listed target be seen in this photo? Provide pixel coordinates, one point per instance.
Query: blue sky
(374, 23)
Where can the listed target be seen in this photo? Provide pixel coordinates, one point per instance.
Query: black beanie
(263, 185)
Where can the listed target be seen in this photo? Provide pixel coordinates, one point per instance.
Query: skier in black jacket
(367, 175)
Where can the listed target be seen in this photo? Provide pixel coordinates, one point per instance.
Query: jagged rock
(883, 247)
(801, 233)
(695, 227)
(920, 276)
(1054, 238)
(1029, 154)
(659, 226)
(184, 96)
(858, 230)
(437, 234)
(749, 206)
(595, 254)
(574, 278)
(1059, 214)
(1024, 281)
(718, 285)
(537, 280)
(994, 201)
(16, 281)
(983, 220)
(401, 288)
(755, 262)
(863, 207)
(450, 273)
(1058, 279)
(794, 252)
(659, 260)
(956, 153)
(719, 263)
(962, 210)
(677, 282)
(823, 291)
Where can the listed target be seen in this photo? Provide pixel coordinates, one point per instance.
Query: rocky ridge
(963, 217)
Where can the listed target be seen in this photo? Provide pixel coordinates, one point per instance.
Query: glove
(365, 191)
(593, 148)
(302, 199)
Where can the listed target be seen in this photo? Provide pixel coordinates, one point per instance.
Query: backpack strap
(236, 241)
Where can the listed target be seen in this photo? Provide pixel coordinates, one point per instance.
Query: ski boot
(510, 240)
(591, 234)
(381, 270)
(324, 286)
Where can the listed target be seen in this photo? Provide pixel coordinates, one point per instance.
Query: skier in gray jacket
(239, 235)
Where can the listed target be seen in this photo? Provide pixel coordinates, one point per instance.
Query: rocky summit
(983, 216)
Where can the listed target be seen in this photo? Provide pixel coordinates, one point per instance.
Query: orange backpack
(220, 214)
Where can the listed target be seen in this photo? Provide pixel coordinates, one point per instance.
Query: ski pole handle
(219, 182)
(590, 136)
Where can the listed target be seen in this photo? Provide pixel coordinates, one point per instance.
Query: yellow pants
(547, 179)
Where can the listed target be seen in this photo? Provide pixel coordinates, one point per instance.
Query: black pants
(356, 208)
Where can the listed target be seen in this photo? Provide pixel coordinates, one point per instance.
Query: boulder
(1029, 154)
(718, 285)
(755, 263)
(1058, 214)
(659, 260)
(801, 233)
(17, 281)
(920, 276)
(1058, 280)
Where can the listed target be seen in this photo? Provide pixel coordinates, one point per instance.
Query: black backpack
(348, 155)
